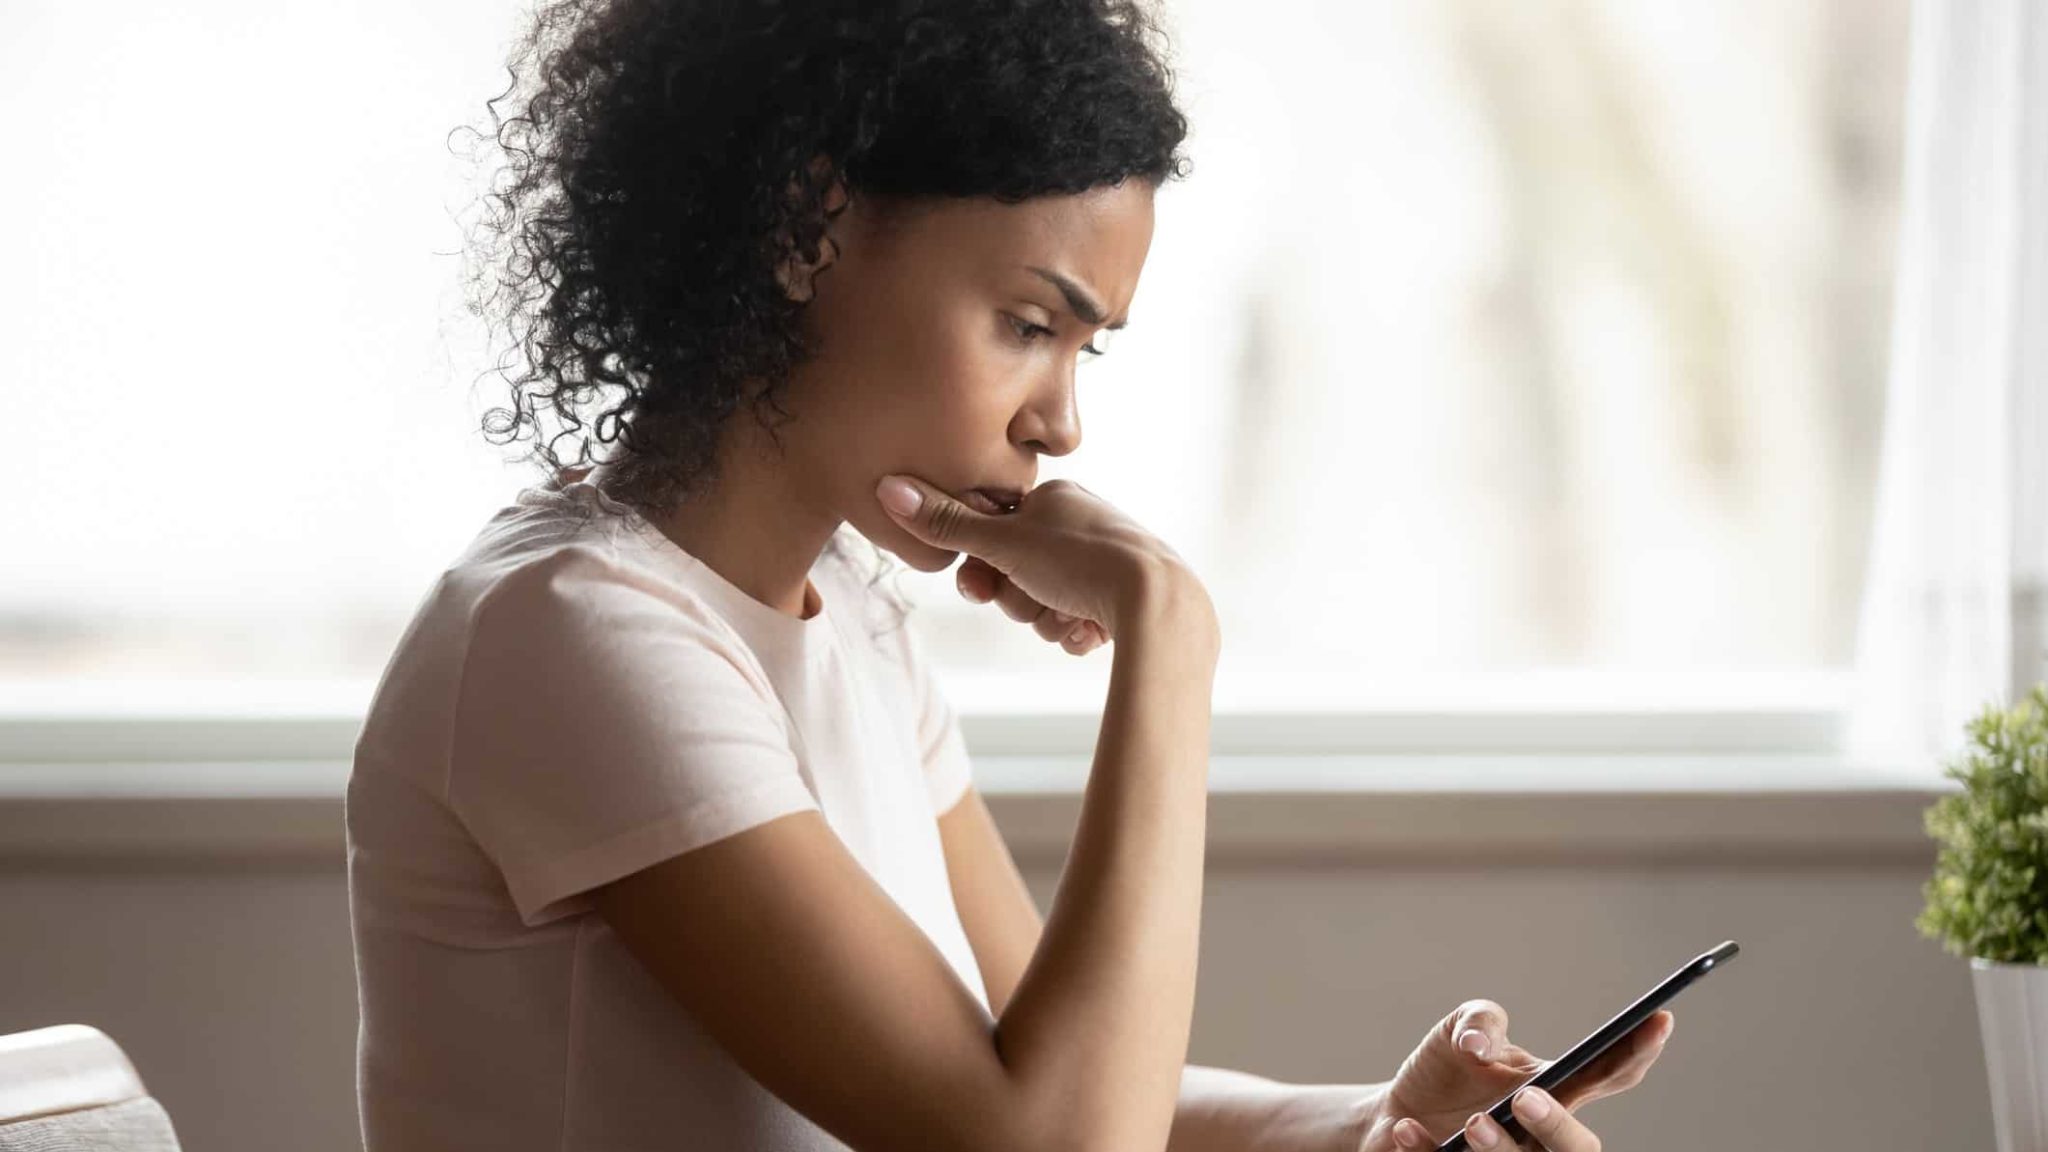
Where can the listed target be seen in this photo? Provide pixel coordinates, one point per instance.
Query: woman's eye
(1026, 330)
(1028, 333)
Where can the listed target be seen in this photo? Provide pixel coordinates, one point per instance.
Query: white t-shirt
(577, 699)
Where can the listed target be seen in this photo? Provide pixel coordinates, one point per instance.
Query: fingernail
(1533, 1103)
(1483, 1131)
(1078, 635)
(1473, 1041)
(1405, 1136)
(899, 496)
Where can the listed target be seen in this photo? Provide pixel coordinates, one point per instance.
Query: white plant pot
(2012, 1010)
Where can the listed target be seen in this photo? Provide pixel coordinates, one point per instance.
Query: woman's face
(948, 335)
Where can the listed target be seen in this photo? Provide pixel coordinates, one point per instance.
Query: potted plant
(1988, 900)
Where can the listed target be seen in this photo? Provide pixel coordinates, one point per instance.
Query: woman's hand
(1064, 560)
(1467, 1063)
(980, 582)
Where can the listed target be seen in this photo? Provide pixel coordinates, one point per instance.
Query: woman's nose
(1053, 422)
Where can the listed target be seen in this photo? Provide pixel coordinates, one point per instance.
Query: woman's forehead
(1098, 237)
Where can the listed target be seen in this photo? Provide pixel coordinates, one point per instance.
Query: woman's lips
(987, 504)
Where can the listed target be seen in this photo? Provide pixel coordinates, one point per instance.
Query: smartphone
(1583, 1053)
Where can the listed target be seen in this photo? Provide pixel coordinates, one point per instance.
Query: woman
(661, 834)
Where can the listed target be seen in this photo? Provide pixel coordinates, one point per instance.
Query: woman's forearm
(1222, 1110)
(1096, 1032)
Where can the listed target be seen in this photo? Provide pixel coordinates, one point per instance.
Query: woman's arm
(1096, 1028)
(1218, 1109)
(794, 960)
(1222, 1110)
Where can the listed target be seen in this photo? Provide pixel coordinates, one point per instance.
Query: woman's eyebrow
(1078, 298)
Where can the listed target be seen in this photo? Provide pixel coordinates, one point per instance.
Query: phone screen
(1585, 1051)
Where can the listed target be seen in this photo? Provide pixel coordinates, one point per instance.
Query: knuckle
(1480, 1013)
(945, 520)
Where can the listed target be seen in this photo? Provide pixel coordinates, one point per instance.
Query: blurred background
(1612, 442)
(1490, 348)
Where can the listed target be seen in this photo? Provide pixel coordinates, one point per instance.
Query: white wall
(1336, 929)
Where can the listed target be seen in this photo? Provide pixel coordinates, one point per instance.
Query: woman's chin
(912, 551)
(926, 558)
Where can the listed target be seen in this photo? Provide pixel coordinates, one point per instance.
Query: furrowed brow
(1078, 298)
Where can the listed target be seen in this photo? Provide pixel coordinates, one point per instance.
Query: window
(1511, 354)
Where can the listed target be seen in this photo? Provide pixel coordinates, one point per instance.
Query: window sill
(1413, 810)
(258, 723)
(1585, 771)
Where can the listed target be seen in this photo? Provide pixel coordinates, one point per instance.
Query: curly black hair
(668, 156)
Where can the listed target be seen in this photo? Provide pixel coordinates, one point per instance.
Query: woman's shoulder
(589, 588)
(565, 567)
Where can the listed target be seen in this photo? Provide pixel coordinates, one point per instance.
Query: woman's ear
(796, 274)
(796, 279)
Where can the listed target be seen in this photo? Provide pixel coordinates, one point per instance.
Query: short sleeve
(941, 744)
(605, 722)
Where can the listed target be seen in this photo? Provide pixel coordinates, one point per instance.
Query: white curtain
(1953, 615)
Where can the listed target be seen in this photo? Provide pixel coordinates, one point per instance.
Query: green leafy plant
(1988, 897)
